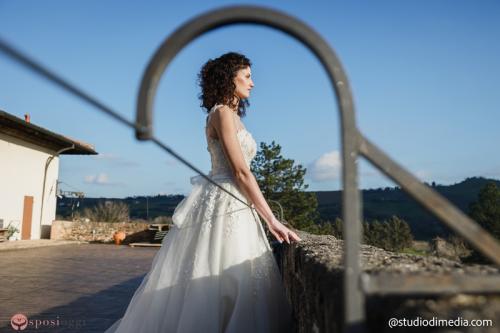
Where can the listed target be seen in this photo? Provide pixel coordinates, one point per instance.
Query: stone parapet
(313, 276)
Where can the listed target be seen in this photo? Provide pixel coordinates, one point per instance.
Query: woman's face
(243, 82)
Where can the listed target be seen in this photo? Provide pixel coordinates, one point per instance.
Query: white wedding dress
(215, 270)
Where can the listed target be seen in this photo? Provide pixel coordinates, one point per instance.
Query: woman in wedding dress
(215, 270)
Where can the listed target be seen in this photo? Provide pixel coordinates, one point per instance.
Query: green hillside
(378, 204)
(383, 202)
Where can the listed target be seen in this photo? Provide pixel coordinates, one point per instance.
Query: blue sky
(425, 77)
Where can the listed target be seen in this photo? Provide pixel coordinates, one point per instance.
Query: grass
(410, 250)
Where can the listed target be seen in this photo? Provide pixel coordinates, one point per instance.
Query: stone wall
(100, 231)
(313, 276)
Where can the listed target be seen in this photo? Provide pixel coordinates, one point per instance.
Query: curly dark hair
(216, 81)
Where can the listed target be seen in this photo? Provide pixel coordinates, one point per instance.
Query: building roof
(19, 128)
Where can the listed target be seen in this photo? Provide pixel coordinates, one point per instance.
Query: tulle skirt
(215, 271)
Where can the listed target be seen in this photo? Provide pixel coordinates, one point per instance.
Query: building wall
(22, 168)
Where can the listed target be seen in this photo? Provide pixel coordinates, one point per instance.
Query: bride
(215, 270)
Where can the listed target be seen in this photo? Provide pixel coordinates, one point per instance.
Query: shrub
(108, 211)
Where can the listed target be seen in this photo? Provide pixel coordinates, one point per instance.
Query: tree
(377, 234)
(486, 212)
(392, 235)
(280, 180)
(321, 228)
(337, 228)
(400, 235)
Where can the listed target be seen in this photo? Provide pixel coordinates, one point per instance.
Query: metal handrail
(281, 215)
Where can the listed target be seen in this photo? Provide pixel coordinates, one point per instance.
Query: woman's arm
(223, 122)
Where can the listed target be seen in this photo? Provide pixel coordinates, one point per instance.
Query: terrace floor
(86, 287)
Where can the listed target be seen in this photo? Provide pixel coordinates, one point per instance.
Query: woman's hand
(281, 232)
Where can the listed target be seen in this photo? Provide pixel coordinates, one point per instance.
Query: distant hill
(378, 204)
(381, 203)
(140, 207)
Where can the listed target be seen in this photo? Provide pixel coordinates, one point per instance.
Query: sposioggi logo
(19, 322)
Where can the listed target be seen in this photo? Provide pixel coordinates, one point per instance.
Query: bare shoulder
(223, 116)
(223, 111)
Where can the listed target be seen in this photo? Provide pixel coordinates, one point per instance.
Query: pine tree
(486, 212)
(338, 230)
(282, 181)
(380, 235)
(399, 234)
(392, 235)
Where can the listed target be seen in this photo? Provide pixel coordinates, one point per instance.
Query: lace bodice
(220, 164)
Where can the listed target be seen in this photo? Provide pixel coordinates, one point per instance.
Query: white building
(29, 167)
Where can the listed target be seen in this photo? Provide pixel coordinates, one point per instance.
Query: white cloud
(327, 167)
(99, 179)
(423, 175)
